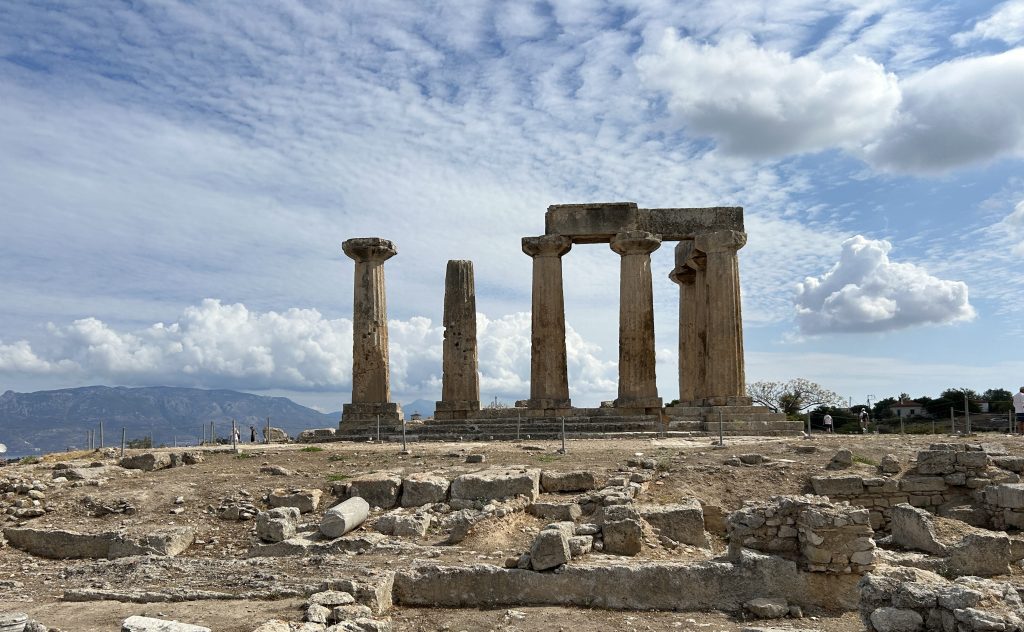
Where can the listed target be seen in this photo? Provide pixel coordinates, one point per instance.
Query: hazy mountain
(421, 406)
(55, 420)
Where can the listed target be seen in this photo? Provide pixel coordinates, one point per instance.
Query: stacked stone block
(1005, 503)
(818, 535)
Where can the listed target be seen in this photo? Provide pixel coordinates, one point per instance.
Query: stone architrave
(460, 382)
(691, 363)
(371, 388)
(549, 375)
(726, 383)
(638, 386)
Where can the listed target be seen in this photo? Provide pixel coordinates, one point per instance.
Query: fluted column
(725, 376)
(638, 386)
(460, 381)
(371, 386)
(691, 364)
(549, 375)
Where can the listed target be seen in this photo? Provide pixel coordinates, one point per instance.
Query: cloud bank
(217, 345)
(866, 292)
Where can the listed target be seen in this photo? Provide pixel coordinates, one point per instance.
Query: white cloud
(760, 102)
(865, 291)
(1006, 23)
(214, 345)
(1011, 229)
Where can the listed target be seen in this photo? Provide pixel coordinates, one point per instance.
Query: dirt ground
(685, 468)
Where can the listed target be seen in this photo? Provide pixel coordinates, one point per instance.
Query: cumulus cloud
(865, 291)
(1006, 24)
(215, 345)
(760, 102)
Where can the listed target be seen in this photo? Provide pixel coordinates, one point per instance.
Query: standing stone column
(638, 386)
(549, 373)
(371, 387)
(691, 361)
(726, 381)
(460, 382)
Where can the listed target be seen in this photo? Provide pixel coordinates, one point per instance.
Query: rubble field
(888, 533)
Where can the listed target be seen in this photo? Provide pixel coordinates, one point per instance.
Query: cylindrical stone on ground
(344, 517)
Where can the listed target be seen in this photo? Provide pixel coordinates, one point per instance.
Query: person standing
(863, 420)
(828, 422)
(1018, 408)
(252, 434)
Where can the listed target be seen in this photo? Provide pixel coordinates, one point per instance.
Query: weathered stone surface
(550, 549)
(149, 624)
(725, 376)
(850, 485)
(922, 484)
(575, 481)
(344, 517)
(277, 524)
(556, 511)
(580, 545)
(305, 500)
(682, 522)
(61, 544)
(549, 376)
(890, 464)
(274, 625)
(331, 598)
(460, 381)
(147, 462)
(763, 608)
(497, 483)
(1011, 463)
(896, 620)
(380, 489)
(623, 537)
(913, 529)
(424, 489)
(983, 554)
(637, 379)
(401, 525)
(841, 459)
(1006, 496)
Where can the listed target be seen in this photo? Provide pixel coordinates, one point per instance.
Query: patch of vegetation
(664, 465)
(333, 478)
(336, 457)
(244, 455)
(29, 460)
(548, 458)
(311, 448)
(863, 460)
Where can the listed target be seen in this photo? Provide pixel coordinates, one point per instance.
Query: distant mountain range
(51, 421)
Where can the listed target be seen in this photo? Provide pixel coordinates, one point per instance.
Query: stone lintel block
(365, 412)
(640, 402)
(598, 222)
(456, 405)
(548, 404)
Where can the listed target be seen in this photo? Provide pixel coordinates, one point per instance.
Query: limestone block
(922, 484)
(622, 537)
(913, 529)
(1006, 496)
(1011, 463)
(424, 489)
(305, 500)
(147, 462)
(61, 544)
(277, 524)
(580, 545)
(556, 511)
(683, 522)
(931, 462)
(850, 485)
(274, 625)
(331, 598)
(975, 460)
(550, 549)
(497, 484)
(896, 620)
(317, 614)
(576, 481)
(380, 489)
(149, 624)
(765, 608)
(411, 526)
(841, 459)
(983, 554)
(344, 517)
(890, 464)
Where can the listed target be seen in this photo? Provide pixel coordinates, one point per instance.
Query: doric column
(725, 376)
(371, 388)
(460, 381)
(691, 363)
(638, 386)
(549, 374)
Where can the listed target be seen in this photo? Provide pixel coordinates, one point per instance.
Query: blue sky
(176, 179)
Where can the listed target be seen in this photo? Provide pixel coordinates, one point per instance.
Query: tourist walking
(863, 420)
(828, 422)
(1018, 408)
(252, 434)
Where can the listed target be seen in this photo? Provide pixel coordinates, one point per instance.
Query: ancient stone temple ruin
(711, 370)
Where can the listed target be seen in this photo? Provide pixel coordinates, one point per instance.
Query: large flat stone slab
(598, 222)
(497, 484)
(62, 544)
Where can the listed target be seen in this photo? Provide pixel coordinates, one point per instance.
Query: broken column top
(369, 248)
(598, 222)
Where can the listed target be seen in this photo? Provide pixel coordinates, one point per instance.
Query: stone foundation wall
(816, 534)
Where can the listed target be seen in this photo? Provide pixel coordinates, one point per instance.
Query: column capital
(683, 275)
(635, 242)
(547, 245)
(369, 249)
(720, 241)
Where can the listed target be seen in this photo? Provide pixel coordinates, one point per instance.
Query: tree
(793, 396)
(999, 400)
(882, 408)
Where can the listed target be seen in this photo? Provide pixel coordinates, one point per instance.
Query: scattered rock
(765, 608)
(424, 489)
(380, 489)
(277, 524)
(305, 500)
(149, 624)
(622, 537)
(890, 464)
(841, 459)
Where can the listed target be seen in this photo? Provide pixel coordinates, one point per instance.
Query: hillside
(55, 420)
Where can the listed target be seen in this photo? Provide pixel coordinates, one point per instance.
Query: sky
(176, 180)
